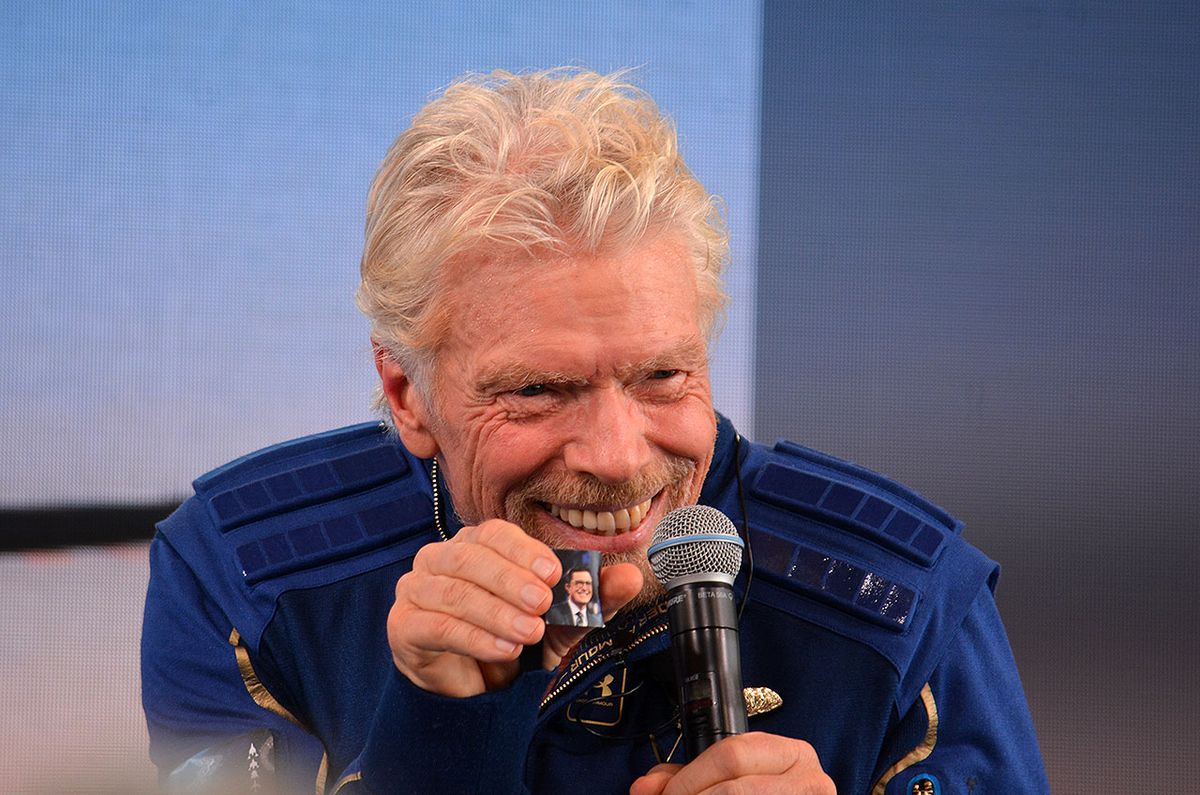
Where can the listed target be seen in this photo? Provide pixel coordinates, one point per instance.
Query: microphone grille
(695, 539)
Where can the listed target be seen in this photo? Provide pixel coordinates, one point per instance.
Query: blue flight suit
(265, 661)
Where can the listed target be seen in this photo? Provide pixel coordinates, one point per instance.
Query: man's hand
(463, 613)
(753, 762)
(469, 605)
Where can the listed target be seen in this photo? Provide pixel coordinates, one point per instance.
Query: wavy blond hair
(547, 164)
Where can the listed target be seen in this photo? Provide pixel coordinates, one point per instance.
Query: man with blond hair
(362, 610)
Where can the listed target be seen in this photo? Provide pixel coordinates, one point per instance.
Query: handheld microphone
(696, 553)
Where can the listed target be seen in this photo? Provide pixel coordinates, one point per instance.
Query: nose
(609, 441)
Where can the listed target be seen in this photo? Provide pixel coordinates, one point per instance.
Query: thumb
(619, 583)
(655, 781)
(497, 676)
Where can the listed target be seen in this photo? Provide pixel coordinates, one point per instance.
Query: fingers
(491, 554)
(654, 781)
(481, 568)
(471, 601)
(765, 785)
(455, 599)
(427, 632)
(619, 583)
(771, 762)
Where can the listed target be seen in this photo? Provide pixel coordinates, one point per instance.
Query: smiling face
(579, 587)
(572, 397)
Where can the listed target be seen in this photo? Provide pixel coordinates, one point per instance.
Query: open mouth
(604, 523)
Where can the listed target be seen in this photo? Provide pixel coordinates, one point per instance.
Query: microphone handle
(707, 663)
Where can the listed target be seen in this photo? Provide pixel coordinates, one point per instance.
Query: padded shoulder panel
(858, 553)
(301, 472)
(299, 515)
(864, 502)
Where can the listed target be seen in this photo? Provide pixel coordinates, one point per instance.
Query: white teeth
(602, 522)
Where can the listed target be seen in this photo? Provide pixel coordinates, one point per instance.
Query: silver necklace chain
(437, 501)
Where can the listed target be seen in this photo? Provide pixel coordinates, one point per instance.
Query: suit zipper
(573, 678)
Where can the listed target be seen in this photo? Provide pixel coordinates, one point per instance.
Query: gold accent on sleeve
(257, 690)
(922, 751)
(760, 700)
(346, 780)
(322, 773)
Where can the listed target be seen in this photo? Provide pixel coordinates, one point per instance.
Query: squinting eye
(662, 375)
(532, 390)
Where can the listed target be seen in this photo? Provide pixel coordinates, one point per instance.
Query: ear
(410, 415)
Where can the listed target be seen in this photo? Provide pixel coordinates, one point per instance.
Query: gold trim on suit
(254, 686)
(922, 751)
(346, 780)
(258, 691)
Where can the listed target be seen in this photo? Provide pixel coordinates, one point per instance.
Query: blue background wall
(979, 271)
(965, 244)
(183, 205)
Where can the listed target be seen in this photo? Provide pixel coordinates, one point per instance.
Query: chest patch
(603, 703)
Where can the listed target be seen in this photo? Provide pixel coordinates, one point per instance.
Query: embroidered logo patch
(925, 784)
(603, 702)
